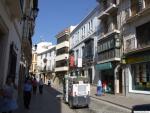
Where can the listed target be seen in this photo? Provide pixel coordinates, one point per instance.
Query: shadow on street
(48, 102)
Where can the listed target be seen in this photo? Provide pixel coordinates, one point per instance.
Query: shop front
(138, 73)
(106, 75)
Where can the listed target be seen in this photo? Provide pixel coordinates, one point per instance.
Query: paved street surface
(50, 102)
(97, 106)
(46, 103)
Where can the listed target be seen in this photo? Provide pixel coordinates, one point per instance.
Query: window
(136, 6)
(82, 51)
(62, 39)
(84, 30)
(130, 44)
(141, 76)
(147, 3)
(91, 24)
(77, 55)
(143, 34)
(103, 46)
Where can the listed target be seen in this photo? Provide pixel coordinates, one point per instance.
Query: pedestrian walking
(41, 86)
(34, 85)
(8, 96)
(99, 88)
(27, 93)
(49, 82)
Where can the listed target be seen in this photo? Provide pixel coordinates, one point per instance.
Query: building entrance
(107, 77)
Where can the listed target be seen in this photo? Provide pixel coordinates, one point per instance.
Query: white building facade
(62, 55)
(12, 22)
(46, 53)
(83, 46)
(136, 58)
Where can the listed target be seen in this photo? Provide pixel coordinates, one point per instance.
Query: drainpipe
(116, 76)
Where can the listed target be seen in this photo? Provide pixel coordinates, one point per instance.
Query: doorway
(90, 75)
(120, 81)
(107, 77)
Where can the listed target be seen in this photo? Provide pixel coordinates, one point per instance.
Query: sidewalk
(122, 101)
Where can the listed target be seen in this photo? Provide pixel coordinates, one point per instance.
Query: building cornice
(84, 20)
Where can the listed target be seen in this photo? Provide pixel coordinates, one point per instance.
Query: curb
(120, 105)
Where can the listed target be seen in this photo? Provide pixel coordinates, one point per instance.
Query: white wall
(77, 40)
(14, 35)
(51, 54)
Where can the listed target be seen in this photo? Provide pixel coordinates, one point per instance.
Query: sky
(55, 15)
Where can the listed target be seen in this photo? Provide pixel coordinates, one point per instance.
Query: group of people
(29, 86)
(8, 93)
(104, 87)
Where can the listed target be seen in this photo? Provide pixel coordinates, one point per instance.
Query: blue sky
(55, 15)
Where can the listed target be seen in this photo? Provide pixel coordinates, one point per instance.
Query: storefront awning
(104, 66)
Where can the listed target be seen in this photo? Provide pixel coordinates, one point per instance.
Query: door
(120, 81)
(90, 75)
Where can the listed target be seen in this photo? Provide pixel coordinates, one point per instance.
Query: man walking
(27, 93)
(41, 86)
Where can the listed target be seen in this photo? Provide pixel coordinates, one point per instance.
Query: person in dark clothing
(41, 86)
(27, 93)
(34, 85)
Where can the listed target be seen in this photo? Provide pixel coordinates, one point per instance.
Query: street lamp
(35, 47)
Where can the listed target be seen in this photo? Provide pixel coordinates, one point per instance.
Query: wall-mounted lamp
(118, 43)
(35, 12)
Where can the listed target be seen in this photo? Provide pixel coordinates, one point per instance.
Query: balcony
(141, 42)
(61, 57)
(107, 10)
(115, 31)
(137, 11)
(59, 69)
(103, 15)
(87, 61)
(15, 8)
(63, 44)
(111, 55)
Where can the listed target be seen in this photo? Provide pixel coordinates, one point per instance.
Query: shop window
(141, 76)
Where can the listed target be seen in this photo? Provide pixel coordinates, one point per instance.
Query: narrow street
(46, 103)
(50, 102)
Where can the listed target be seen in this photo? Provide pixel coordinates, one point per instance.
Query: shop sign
(104, 66)
(79, 62)
(137, 59)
